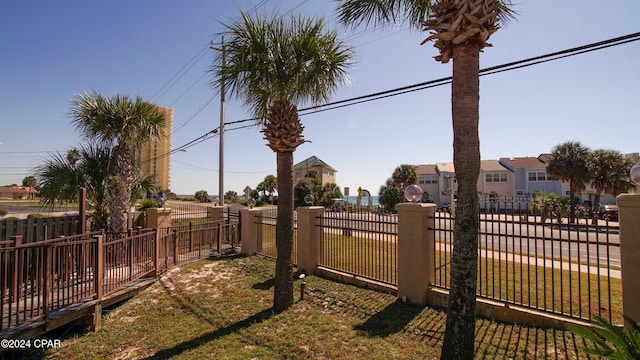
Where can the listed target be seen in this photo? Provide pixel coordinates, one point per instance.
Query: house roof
(491, 165)
(445, 167)
(426, 169)
(313, 161)
(17, 189)
(523, 162)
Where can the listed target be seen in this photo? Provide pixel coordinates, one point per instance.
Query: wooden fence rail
(40, 280)
(39, 229)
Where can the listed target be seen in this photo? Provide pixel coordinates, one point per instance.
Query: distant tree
(30, 181)
(312, 173)
(328, 192)
(73, 155)
(569, 162)
(610, 175)
(390, 195)
(305, 186)
(405, 175)
(201, 196)
(268, 185)
(231, 196)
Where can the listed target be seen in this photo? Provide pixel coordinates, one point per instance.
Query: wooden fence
(39, 229)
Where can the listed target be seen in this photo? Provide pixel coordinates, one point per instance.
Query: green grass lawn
(566, 292)
(221, 308)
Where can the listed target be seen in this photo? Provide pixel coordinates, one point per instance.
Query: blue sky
(158, 49)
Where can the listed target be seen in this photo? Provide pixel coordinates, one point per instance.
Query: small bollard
(302, 286)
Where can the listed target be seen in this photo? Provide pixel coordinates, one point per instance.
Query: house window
(427, 179)
(537, 176)
(496, 177)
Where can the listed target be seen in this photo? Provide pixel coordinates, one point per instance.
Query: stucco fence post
(250, 232)
(415, 251)
(158, 218)
(629, 217)
(309, 238)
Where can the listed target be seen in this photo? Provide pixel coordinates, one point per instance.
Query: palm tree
(569, 162)
(274, 64)
(460, 29)
(609, 174)
(269, 184)
(121, 122)
(404, 175)
(61, 178)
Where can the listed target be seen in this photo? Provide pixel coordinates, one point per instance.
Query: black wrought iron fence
(266, 222)
(361, 242)
(541, 262)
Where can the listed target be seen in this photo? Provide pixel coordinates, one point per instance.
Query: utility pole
(221, 132)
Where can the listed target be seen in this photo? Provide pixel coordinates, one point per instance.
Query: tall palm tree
(569, 162)
(274, 63)
(609, 174)
(121, 122)
(460, 29)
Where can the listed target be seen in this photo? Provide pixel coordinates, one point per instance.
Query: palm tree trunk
(120, 188)
(283, 292)
(460, 327)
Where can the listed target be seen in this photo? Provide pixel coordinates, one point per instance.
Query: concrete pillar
(158, 218)
(629, 207)
(216, 213)
(415, 251)
(250, 232)
(309, 238)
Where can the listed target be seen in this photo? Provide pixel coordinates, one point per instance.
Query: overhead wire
(430, 84)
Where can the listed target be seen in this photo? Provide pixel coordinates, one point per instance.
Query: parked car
(608, 212)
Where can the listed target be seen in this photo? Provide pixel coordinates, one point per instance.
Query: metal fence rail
(359, 242)
(42, 277)
(539, 263)
(37, 279)
(266, 222)
(183, 212)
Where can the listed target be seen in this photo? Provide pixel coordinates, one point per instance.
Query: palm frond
(270, 58)
(611, 341)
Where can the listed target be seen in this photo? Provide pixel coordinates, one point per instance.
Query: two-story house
(314, 167)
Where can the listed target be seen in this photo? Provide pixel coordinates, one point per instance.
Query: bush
(145, 204)
(37, 216)
(3, 212)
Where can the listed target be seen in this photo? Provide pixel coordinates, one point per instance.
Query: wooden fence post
(156, 252)
(17, 241)
(98, 278)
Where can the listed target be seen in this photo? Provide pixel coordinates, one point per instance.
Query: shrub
(3, 212)
(37, 216)
(145, 204)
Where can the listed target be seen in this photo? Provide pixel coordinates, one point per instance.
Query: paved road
(532, 237)
(22, 211)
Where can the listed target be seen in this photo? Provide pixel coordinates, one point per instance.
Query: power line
(433, 83)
